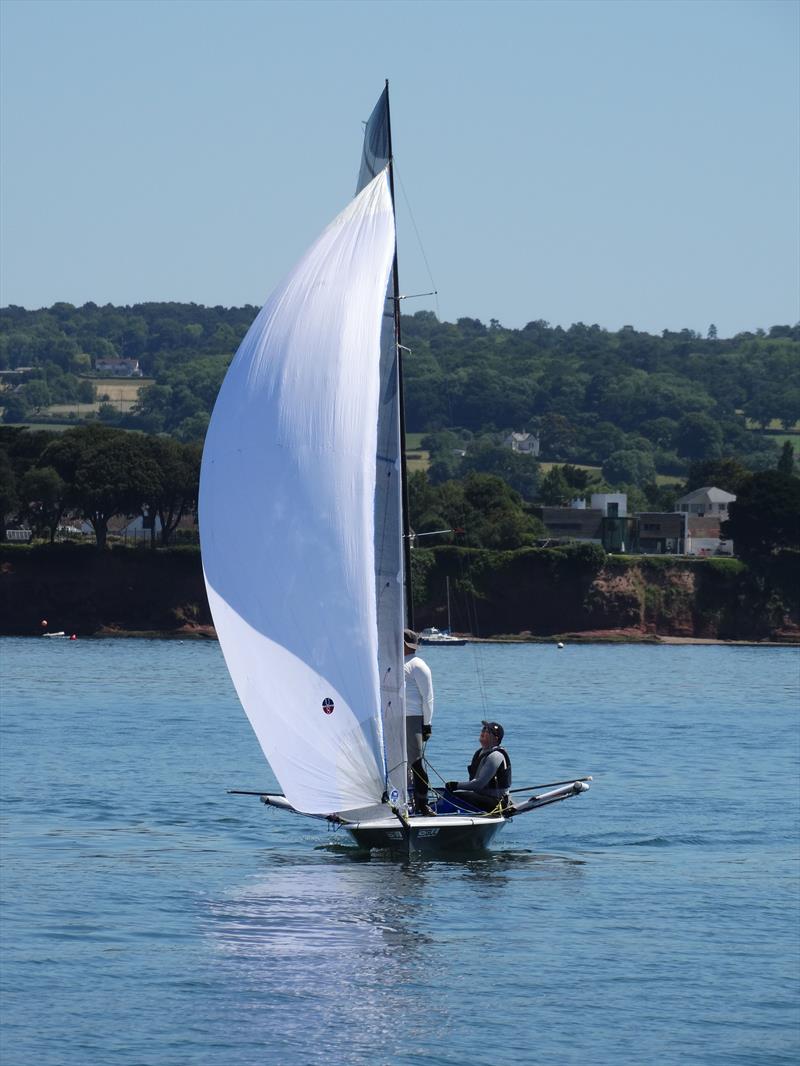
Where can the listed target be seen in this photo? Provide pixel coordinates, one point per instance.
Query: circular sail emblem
(327, 705)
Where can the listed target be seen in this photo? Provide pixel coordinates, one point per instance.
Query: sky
(619, 162)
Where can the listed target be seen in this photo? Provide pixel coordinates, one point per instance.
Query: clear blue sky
(612, 162)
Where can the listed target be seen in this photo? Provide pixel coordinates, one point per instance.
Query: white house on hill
(707, 502)
(527, 443)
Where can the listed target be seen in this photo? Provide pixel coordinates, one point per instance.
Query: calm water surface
(151, 919)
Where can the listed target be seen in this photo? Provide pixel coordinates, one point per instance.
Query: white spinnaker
(286, 514)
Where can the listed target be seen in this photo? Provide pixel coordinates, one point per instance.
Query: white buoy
(560, 645)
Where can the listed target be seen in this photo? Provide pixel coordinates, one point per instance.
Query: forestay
(287, 515)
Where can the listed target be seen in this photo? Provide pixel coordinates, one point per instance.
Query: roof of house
(708, 492)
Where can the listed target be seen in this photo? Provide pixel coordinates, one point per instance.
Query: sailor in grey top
(489, 773)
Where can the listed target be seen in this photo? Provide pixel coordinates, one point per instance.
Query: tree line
(95, 472)
(636, 403)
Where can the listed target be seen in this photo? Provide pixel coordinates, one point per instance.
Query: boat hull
(453, 831)
(427, 836)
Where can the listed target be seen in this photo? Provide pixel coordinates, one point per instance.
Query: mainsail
(389, 577)
(287, 515)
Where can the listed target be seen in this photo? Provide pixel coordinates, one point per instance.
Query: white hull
(436, 636)
(444, 833)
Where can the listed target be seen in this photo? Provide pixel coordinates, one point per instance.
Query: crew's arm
(425, 682)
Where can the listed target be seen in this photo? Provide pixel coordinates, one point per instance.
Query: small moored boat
(433, 635)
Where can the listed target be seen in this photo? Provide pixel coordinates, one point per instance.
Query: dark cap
(410, 638)
(495, 729)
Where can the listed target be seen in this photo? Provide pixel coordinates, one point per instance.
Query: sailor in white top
(419, 713)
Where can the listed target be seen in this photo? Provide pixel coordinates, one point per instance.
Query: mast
(409, 599)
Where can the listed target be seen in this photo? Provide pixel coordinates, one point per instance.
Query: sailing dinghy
(305, 540)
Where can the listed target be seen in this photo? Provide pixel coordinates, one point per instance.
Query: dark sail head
(376, 142)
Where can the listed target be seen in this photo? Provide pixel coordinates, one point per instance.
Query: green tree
(174, 493)
(15, 407)
(727, 474)
(483, 509)
(629, 467)
(107, 412)
(44, 494)
(660, 431)
(555, 490)
(601, 440)
(765, 516)
(86, 391)
(698, 437)
(108, 472)
(660, 498)
(576, 478)
(558, 436)
(787, 407)
(37, 394)
(765, 403)
(494, 514)
(519, 471)
(444, 448)
(786, 461)
(423, 507)
(8, 491)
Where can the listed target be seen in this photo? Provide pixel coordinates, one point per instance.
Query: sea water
(149, 918)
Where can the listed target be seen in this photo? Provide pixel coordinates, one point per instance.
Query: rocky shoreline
(532, 595)
(604, 636)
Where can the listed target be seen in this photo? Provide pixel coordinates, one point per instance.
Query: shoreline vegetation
(604, 637)
(573, 594)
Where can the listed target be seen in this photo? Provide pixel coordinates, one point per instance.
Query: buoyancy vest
(502, 779)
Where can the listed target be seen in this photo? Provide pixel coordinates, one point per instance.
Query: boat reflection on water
(345, 953)
(341, 907)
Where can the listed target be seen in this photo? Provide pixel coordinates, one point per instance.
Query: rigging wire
(472, 615)
(407, 203)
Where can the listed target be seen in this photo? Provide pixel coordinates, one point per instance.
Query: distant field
(774, 425)
(781, 438)
(80, 410)
(122, 393)
(59, 427)
(670, 479)
(594, 470)
(121, 388)
(417, 460)
(51, 427)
